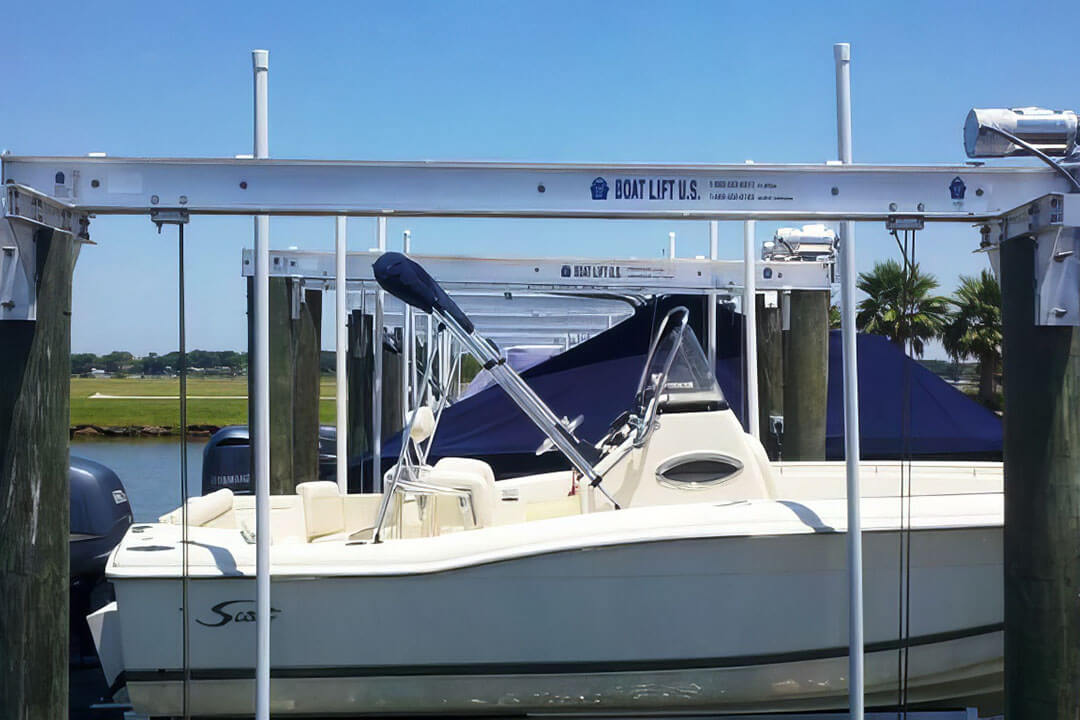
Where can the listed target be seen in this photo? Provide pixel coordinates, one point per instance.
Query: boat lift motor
(994, 132)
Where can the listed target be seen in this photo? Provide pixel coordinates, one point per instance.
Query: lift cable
(907, 307)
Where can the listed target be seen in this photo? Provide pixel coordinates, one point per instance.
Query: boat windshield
(690, 385)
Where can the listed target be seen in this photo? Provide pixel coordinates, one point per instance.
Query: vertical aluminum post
(407, 400)
(261, 422)
(842, 55)
(376, 384)
(750, 325)
(671, 245)
(714, 254)
(341, 343)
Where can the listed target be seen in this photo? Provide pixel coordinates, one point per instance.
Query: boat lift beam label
(716, 192)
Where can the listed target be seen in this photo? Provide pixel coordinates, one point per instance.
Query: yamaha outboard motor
(227, 459)
(100, 515)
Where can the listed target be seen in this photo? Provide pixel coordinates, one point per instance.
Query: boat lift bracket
(25, 211)
(1053, 221)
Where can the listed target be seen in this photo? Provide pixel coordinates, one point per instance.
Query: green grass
(166, 412)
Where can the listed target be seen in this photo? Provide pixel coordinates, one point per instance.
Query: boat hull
(724, 624)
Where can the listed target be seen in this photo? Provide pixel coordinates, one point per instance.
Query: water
(149, 469)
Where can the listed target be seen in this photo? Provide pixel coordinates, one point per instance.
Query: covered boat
(672, 567)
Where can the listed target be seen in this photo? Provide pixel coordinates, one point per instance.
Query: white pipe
(261, 422)
(714, 254)
(376, 385)
(842, 55)
(340, 352)
(750, 325)
(407, 384)
(671, 245)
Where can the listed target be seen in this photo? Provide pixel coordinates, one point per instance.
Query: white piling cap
(260, 59)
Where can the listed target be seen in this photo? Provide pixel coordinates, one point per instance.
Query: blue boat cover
(406, 280)
(597, 379)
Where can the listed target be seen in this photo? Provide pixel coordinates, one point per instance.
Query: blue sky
(586, 81)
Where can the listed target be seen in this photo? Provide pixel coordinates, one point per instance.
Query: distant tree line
(121, 362)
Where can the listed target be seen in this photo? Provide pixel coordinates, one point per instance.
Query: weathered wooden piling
(359, 376)
(393, 401)
(1042, 500)
(770, 371)
(295, 341)
(35, 364)
(806, 375)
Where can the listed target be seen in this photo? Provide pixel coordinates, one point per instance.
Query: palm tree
(973, 329)
(901, 305)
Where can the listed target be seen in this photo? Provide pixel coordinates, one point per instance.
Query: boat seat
(472, 476)
(423, 426)
(324, 512)
(212, 510)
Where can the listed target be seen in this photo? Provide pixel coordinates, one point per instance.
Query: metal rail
(230, 186)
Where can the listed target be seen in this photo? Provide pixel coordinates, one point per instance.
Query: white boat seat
(472, 476)
(203, 510)
(324, 512)
(423, 426)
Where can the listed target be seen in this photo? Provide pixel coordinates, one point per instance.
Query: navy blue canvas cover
(597, 379)
(409, 282)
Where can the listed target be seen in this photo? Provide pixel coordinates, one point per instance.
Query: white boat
(674, 569)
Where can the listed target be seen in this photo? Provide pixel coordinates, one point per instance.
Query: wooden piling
(1042, 500)
(359, 376)
(770, 372)
(392, 405)
(806, 375)
(295, 343)
(35, 367)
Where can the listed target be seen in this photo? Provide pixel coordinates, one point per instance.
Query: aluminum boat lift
(64, 193)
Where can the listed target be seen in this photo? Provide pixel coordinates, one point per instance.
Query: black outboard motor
(227, 459)
(100, 515)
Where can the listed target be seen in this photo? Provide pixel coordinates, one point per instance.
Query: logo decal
(239, 615)
(957, 188)
(119, 497)
(599, 189)
(565, 272)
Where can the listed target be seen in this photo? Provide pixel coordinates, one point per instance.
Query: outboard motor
(227, 459)
(100, 515)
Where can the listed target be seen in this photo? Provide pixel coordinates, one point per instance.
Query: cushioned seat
(324, 512)
(205, 510)
(472, 476)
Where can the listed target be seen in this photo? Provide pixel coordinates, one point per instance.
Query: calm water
(149, 469)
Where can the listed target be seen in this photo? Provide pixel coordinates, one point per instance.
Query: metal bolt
(540, 188)
(95, 183)
(835, 191)
(243, 184)
(153, 199)
(979, 192)
(920, 207)
(183, 199)
(892, 207)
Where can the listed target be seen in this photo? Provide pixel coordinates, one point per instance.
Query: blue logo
(599, 189)
(566, 270)
(957, 188)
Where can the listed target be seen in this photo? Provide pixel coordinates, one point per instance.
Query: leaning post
(35, 367)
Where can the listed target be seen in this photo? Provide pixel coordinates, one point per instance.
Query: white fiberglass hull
(729, 622)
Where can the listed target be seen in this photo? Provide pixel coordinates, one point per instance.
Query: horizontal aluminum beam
(563, 274)
(720, 192)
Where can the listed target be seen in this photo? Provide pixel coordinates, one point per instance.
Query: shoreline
(138, 431)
